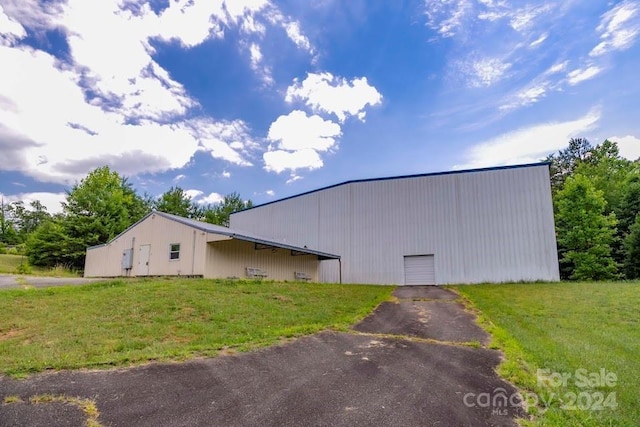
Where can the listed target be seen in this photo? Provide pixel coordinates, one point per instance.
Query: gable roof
(388, 178)
(232, 233)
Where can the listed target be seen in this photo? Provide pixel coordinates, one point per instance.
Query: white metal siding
(419, 270)
(483, 226)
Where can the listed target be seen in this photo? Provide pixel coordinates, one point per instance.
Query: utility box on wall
(127, 259)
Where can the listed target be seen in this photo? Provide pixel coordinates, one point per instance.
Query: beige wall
(159, 233)
(230, 258)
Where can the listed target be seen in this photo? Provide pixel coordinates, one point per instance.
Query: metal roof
(234, 234)
(355, 181)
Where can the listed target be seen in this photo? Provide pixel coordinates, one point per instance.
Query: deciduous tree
(585, 233)
(220, 212)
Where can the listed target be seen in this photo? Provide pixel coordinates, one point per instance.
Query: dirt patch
(11, 333)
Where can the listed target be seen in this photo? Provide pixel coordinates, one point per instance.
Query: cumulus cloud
(51, 201)
(324, 92)
(529, 144)
(280, 160)
(120, 106)
(297, 131)
(211, 198)
(193, 193)
(629, 146)
(618, 28)
(296, 140)
(10, 29)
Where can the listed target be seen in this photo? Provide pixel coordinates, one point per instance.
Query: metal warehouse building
(472, 226)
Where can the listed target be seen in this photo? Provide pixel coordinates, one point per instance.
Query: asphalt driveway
(13, 281)
(416, 362)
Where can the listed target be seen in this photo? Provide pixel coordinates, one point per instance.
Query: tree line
(95, 210)
(595, 191)
(596, 195)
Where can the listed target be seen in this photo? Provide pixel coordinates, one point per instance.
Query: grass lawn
(131, 321)
(563, 328)
(9, 265)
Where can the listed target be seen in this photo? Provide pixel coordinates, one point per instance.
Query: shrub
(24, 268)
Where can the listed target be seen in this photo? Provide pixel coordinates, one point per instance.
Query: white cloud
(193, 193)
(529, 144)
(297, 140)
(226, 174)
(335, 95)
(537, 42)
(522, 19)
(297, 131)
(582, 74)
(120, 107)
(558, 68)
(448, 16)
(270, 193)
(527, 96)
(179, 177)
(619, 28)
(212, 198)
(10, 29)
(296, 36)
(51, 201)
(629, 146)
(279, 160)
(258, 66)
(484, 72)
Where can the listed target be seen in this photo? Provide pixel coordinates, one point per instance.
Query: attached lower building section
(161, 244)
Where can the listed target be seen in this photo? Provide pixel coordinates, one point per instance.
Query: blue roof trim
(388, 178)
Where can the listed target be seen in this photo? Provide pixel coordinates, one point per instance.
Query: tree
(8, 233)
(584, 233)
(632, 246)
(177, 202)
(96, 210)
(608, 171)
(220, 212)
(564, 163)
(47, 246)
(630, 204)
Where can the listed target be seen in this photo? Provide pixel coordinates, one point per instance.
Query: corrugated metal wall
(493, 225)
(230, 258)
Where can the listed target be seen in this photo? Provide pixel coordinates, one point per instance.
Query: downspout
(193, 254)
(133, 245)
(340, 268)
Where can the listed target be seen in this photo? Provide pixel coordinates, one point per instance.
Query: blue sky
(274, 98)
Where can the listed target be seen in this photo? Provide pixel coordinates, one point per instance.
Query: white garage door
(419, 270)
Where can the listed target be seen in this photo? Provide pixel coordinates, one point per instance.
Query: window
(174, 251)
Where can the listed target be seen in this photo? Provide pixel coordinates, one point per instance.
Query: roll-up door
(419, 270)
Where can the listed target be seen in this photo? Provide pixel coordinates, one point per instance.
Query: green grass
(563, 328)
(9, 265)
(124, 322)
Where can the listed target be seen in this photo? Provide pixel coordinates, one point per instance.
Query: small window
(174, 251)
